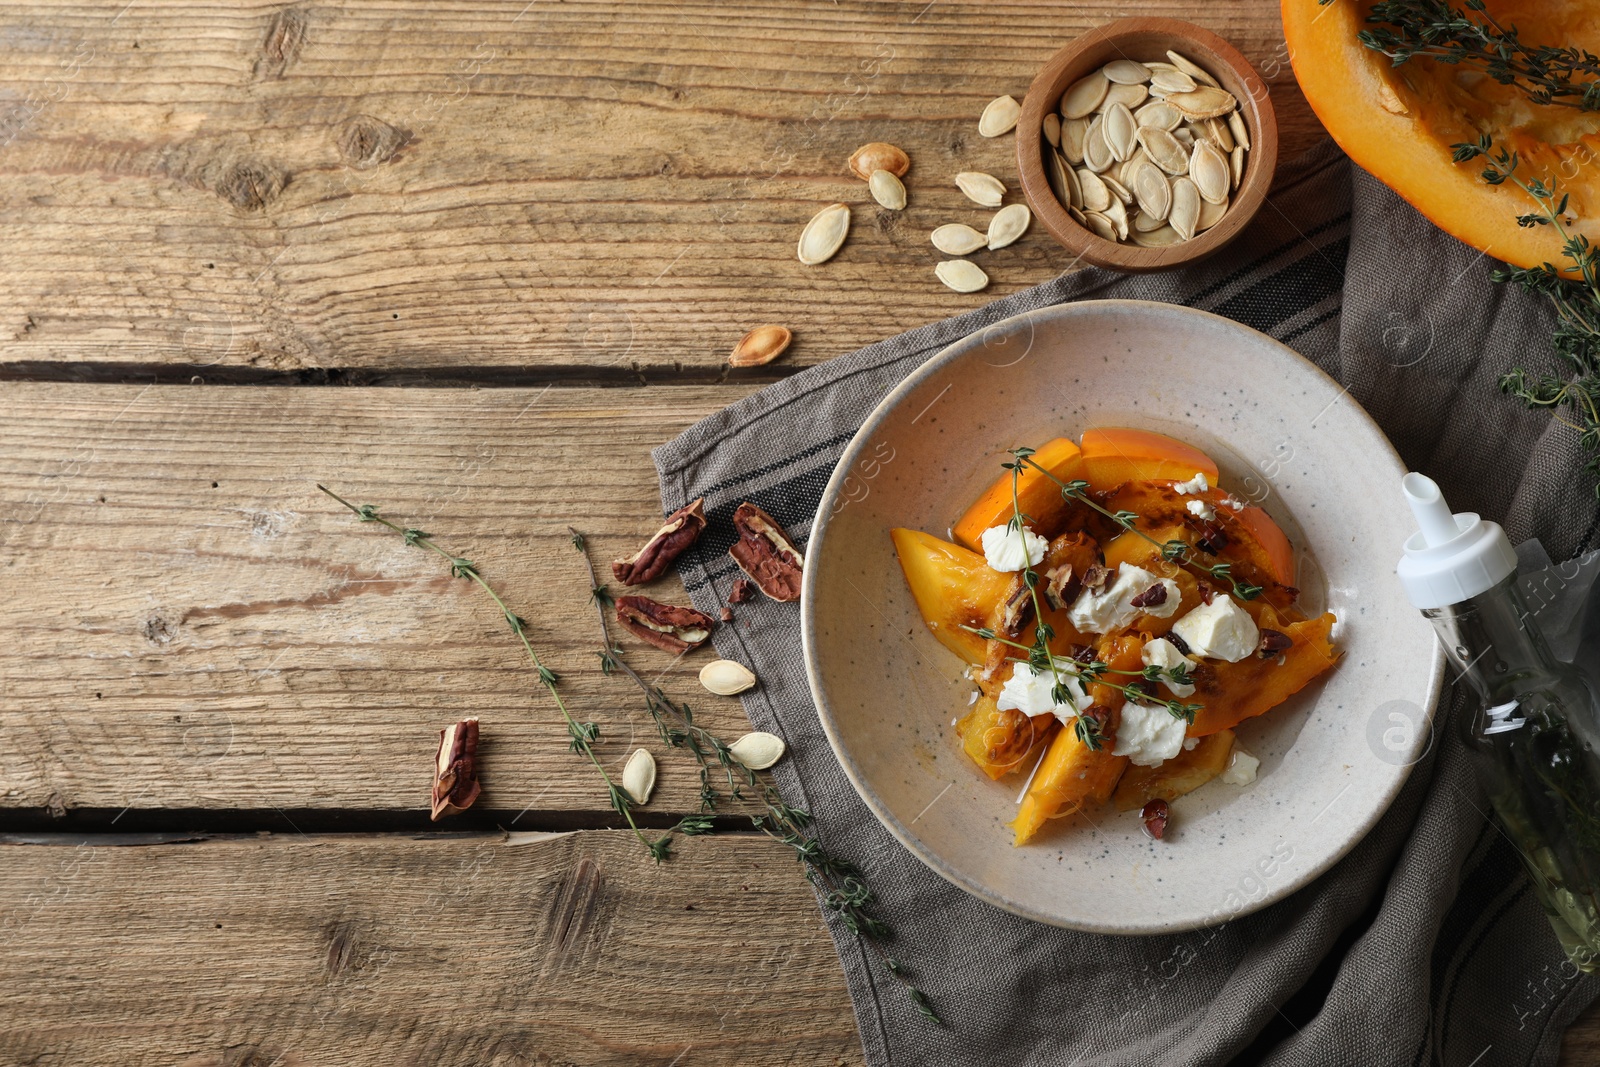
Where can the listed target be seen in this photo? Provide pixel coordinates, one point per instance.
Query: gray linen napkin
(1424, 945)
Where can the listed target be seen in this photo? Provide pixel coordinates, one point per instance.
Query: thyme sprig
(1405, 30)
(1096, 670)
(844, 885)
(1174, 551)
(1574, 293)
(583, 735)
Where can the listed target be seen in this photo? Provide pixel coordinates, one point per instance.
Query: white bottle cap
(1452, 558)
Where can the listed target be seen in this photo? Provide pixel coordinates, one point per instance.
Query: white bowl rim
(935, 363)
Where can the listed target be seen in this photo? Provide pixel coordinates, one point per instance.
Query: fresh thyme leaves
(1405, 30)
(1574, 293)
(844, 886)
(1096, 670)
(584, 735)
(1172, 551)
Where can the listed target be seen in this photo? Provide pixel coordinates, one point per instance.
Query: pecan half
(1016, 607)
(455, 768)
(1273, 642)
(1062, 587)
(1155, 814)
(1096, 577)
(667, 626)
(766, 554)
(681, 530)
(1213, 538)
(1177, 642)
(742, 590)
(1153, 597)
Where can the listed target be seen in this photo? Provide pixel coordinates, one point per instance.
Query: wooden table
(469, 262)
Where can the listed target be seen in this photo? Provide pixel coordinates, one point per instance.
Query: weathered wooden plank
(294, 950)
(515, 183)
(190, 624)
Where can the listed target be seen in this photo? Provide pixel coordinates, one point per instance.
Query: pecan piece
(667, 626)
(1062, 587)
(681, 530)
(1155, 814)
(1016, 607)
(1153, 597)
(1096, 577)
(1213, 538)
(742, 590)
(765, 553)
(1273, 642)
(1177, 642)
(455, 768)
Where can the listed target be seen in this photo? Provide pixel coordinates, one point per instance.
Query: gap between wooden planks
(589, 184)
(472, 949)
(190, 625)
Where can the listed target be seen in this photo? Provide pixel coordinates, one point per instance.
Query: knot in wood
(366, 142)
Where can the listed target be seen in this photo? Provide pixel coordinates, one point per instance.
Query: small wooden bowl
(1146, 39)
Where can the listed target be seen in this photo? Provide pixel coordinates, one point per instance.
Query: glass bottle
(1534, 732)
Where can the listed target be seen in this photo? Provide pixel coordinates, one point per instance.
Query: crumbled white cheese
(1148, 735)
(1200, 509)
(1241, 768)
(1191, 743)
(972, 697)
(1164, 654)
(1197, 484)
(1219, 630)
(1012, 550)
(1028, 691)
(1112, 609)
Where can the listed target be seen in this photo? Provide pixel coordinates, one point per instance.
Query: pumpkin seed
(1153, 191)
(757, 750)
(879, 156)
(1096, 153)
(1191, 68)
(1000, 116)
(1205, 102)
(1120, 132)
(824, 234)
(1185, 213)
(962, 275)
(725, 677)
(1100, 225)
(1078, 214)
(1164, 150)
(1184, 135)
(887, 190)
(1210, 215)
(1209, 170)
(1073, 131)
(1084, 95)
(1008, 224)
(1241, 133)
(1159, 114)
(1217, 130)
(1117, 189)
(1126, 172)
(1129, 96)
(1143, 223)
(1118, 214)
(639, 775)
(1096, 197)
(1172, 81)
(957, 239)
(1052, 129)
(1126, 72)
(1069, 178)
(1062, 181)
(760, 346)
(1161, 238)
(982, 189)
(1236, 165)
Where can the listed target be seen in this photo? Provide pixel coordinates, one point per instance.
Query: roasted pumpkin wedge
(1001, 742)
(1113, 455)
(1171, 779)
(1039, 497)
(953, 586)
(1233, 692)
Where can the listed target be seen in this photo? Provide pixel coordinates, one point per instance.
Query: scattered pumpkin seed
(824, 234)
(725, 677)
(982, 189)
(760, 346)
(1000, 116)
(879, 156)
(757, 750)
(1008, 224)
(962, 275)
(957, 239)
(887, 190)
(639, 776)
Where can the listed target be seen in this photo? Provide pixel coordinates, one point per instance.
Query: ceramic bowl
(1141, 39)
(1285, 436)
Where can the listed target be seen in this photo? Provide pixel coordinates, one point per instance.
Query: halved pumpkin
(1398, 123)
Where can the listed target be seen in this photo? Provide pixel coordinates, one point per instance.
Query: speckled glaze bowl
(1285, 436)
